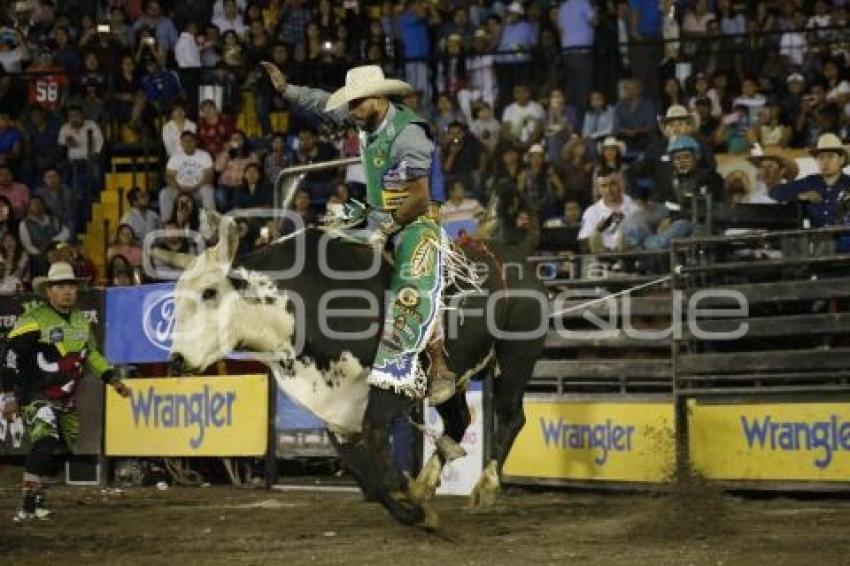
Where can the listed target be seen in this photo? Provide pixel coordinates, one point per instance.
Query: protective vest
(386, 183)
(48, 352)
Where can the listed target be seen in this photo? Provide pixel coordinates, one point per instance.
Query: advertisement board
(803, 441)
(189, 416)
(139, 322)
(595, 440)
(300, 434)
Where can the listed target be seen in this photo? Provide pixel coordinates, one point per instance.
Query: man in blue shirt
(826, 194)
(647, 51)
(416, 40)
(512, 61)
(634, 118)
(11, 140)
(162, 26)
(576, 21)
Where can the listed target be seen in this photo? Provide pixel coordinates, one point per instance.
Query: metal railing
(289, 179)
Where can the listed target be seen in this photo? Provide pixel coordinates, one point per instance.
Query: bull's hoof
(450, 449)
(430, 520)
(403, 509)
(487, 490)
(424, 487)
(484, 497)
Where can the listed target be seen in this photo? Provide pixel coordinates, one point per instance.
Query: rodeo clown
(47, 351)
(396, 151)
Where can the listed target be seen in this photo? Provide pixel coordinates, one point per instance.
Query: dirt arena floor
(225, 525)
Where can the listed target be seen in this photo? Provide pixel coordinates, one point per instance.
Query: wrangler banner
(189, 416)
(770, 441)
(590, 440)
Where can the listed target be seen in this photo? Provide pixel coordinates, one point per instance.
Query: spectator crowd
(602, 117)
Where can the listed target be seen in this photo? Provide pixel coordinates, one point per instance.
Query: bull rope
(612, 295)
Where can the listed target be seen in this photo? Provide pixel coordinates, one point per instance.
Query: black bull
(520, 308)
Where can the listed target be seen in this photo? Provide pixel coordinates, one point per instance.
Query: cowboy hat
(611, 141)
(363, 81)
(829, 142)
(59, 272)
(677, 112)
(773, 154)
(535, 148)
(516, 8)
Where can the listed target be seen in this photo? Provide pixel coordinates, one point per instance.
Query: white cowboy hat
(59, 272)
(516, 8)
(611, 141)
(677, 112)
(759, 154)
(829, 142)
(535, 148)
(363, 81)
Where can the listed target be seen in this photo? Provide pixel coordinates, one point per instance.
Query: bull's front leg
(383, 408)
(456, 419)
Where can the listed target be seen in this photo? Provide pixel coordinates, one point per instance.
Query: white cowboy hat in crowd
(677, 112)
(516, 8)
(535, 148)
(611, 141)
(829, 142)
(795, 77)
(759, 154)
(363, 81)
(59, 272)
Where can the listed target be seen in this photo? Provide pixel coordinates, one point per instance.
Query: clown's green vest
(376, 161)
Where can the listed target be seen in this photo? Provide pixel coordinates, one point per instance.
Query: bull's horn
(210, 220)
(228, 238)
(176, 259)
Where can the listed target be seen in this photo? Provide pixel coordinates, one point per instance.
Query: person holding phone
(602, 222)
(13, 50)
(162, 27)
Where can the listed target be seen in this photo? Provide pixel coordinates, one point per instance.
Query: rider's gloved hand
(384, 221)
(346, 215)
(386, 227)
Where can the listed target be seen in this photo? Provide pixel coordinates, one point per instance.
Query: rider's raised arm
(315, 99)
(308, 98)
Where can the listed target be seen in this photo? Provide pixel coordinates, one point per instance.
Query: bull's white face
(212, 319)
(206, 304)
(205, 308)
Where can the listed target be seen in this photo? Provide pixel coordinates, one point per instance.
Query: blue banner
(139, 322)
(291, 416)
